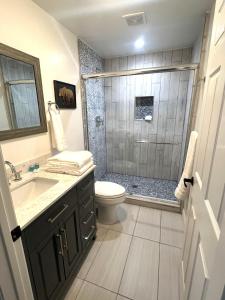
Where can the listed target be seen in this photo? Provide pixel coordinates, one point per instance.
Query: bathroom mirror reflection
(144, 108)
(21, 99)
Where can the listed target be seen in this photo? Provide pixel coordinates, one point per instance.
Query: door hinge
(16, 233)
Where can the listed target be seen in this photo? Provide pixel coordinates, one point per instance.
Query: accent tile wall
(90, 62)
(161, 155)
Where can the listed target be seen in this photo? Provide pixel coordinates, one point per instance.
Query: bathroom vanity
(58, 230)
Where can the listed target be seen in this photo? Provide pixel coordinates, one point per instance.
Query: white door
(7, 287)
(207, 196)
(14, 277)
(216, 286)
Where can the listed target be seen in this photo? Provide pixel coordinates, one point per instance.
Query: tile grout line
(125, 263)
(128, 251)
(79, 288)
(132, 237)
(179, 248)
(124, 297)
(151, 240)
(95, 255)
(159, 255)
(142, 237)
(160, 232)
(99, 286)
(136, 220)
(102, 287)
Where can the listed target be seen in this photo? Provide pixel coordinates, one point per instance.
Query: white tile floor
(137, 259)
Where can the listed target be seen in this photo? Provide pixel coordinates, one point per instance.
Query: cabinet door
(47, 267)
(71, 241)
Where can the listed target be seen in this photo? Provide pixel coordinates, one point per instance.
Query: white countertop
(27, 211)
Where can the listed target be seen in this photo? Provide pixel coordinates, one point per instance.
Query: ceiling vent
(135, 18)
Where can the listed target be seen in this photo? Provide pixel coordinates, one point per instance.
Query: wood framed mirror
(22, 109)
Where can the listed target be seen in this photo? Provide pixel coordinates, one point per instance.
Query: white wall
(26, 27)
(196, 52)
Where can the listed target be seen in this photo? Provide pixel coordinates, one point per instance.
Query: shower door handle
(189, 180)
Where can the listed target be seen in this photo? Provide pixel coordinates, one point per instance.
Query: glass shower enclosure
(138, 125)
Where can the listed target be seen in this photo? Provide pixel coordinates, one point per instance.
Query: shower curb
(151, 202)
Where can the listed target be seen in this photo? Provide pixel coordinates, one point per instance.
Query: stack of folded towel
(69, 162)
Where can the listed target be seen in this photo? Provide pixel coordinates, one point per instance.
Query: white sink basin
(31, 189)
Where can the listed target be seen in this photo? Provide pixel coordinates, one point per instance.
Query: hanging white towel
(58, 141)
(181, 191)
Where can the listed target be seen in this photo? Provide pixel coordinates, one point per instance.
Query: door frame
(15, 252)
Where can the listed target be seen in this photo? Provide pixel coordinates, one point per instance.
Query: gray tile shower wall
(161, 155)
(90, 62)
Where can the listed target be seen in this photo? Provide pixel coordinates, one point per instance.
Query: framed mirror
(22, 110)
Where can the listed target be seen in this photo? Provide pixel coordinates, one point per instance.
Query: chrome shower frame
(172, 68)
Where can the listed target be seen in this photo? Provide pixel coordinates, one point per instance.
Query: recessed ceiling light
(139, 43)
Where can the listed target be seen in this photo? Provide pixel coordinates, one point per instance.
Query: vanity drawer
(88, 234)
(46, 223)
(86, 206)
(86, 186)
(87, 222)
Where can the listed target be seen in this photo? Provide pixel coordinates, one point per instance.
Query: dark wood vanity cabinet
(57, 242)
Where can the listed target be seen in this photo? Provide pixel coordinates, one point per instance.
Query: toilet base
(107, 214)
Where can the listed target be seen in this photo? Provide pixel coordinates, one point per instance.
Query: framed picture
(65, 94)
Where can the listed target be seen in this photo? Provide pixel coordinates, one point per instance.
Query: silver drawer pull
(89, 218)
(88, 202)
(61, 252)
(84, 188)
(52, 220)
(86, 237)
(63, 230)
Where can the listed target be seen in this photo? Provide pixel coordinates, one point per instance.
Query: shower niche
(144, 108)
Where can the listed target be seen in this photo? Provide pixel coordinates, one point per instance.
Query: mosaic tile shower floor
(136, 185)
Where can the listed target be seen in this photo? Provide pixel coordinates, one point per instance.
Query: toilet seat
(105, 189)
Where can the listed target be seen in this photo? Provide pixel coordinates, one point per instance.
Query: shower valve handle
(190, 180)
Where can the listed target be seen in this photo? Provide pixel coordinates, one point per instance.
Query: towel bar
(157, 143)
(51, 103)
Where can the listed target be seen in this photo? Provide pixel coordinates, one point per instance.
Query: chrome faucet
(16, 174)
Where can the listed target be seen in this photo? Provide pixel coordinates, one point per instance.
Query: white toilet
(108, 195)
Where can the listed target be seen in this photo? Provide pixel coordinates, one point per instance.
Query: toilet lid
(108, 189)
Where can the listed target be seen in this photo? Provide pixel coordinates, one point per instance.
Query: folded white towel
(62, 164)
(148, 118)
(58, 138)
(76, 159)
(181, 191)
(69, 170)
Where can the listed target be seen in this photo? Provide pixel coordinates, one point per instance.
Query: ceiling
(170, 23)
